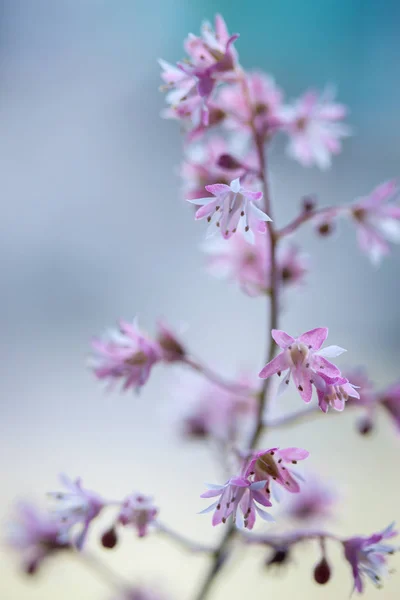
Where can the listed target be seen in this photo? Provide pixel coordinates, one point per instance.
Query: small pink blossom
(314, 503)
(36, 536)
(390, 400)
(315, 128)
(256, 101)
(368, 555)
(250, 265)
(272, 466)
(228, 204)
(238, 497)
(77, 506)
(212, 58)
(125, 355)
(138, 511)
(336, 393)
(303, 359)
(377, 221)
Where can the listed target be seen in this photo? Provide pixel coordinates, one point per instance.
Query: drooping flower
(303, 359)
(314, 503)
(36, 536)
(138, 511)
(377, 221)
(126, 355)
(336, 393)
(368, 555)
(228, 205)
(272, 466)
(238, 497)
(213, 411)
(77, 505)
(256, 101)
(250, 265)
(390, 400)
(315, 128)
(211, 58)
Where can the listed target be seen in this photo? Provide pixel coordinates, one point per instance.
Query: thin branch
(182, 540)
(304, 217)
(103, 571)
(292, 418)
(235, 388)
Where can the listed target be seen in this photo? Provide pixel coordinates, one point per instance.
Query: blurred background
(94, 228)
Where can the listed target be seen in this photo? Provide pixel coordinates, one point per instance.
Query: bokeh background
(93, 227)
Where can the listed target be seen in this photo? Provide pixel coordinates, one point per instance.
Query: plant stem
(183, 541)
(218, 557)
(103, 571)
(235, 388)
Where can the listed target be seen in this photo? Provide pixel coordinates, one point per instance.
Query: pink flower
(272, 465)
(228, 204)
(201, 167)
(315, 129)
(211, 59)
(140, 593)
(377, 221)
(36, 536)
(314, 503)
(262, 103)
(77, 506)
(239, 497)
(390, 400)
(216, 412)
(336, 393)
(367, 556)
(126, 355)
(249, 264)
(139, 512)
(302, 358)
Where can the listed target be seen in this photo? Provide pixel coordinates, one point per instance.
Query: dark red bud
(109, 538)
(229, 162)
(365, 426)
(279, 557)
(322, 572)
(325, 229)
(309, 203)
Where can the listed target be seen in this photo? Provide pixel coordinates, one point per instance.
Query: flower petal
(314, 338)
(278, 364)
(282, 338)
(331, 351)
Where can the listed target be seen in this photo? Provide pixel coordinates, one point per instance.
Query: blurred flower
(139, 512)
(256, 100)
(36, 536)
(271, 465)
(315, 129)
(228, 204)
(211, 59)
(336, 393)
(390, 400)
(368, 555)
(238, 497)
(314, 503)
(249, 264)
(302, 358)
(377, 221)
(140, 593)
(172, 349)
(216, 412)
(77, 506)
(126, 355)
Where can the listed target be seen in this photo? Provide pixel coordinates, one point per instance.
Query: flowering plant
(230, 117)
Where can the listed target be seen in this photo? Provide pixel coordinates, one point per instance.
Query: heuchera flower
(238, 497)
(272, 466)
(313, 504)
(36, 536)
(390, 400)
(126, 355)
(303, 358)
(212, 58)
(315, 128)
(367, 556)
(377, 221)
(217, 412)
(249, 264)
(77, 506)
(228, 204)
(336, 393)
(259, 104)
(139, 512)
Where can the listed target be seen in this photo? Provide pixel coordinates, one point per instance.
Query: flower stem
(103, 571)
(303, 218)
(235, 388)
(183, 541)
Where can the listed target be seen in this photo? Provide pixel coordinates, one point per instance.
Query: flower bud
(309, 203)
(365, 426)
(325, 229)
(279, 557)
(229, 162)
(109, 538)
(322, 572)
